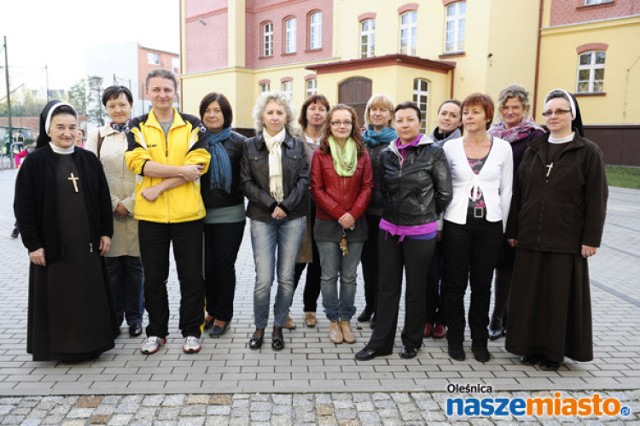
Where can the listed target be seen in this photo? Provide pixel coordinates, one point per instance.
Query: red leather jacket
(336, 195)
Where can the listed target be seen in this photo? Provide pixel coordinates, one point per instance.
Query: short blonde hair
(514, 91)
(283, 100)
(379, 100)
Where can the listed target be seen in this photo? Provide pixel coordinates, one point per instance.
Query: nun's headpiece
(45, 119)
(576, 123)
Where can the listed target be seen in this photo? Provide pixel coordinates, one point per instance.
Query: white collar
(562, 140)
(63, 151)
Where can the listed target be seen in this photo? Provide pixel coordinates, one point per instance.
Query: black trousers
(312, 284)
(413, 257)
(221, 244)
(369, 259)
(470, 255)
(436, 312)
(155, 239)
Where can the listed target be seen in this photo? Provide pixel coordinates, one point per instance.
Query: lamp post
(6, 74)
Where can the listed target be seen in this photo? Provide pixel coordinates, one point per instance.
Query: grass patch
(624, 177)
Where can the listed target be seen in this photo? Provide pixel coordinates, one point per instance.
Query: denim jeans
(126, 278)
(286, 236)
(332, 263)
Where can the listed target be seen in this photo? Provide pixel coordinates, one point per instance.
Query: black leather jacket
(218, 197)
(375, 205)
(415, 190)
(254, 178)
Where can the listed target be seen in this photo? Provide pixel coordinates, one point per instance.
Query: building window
(591, 2)
(454, 36)
(367, 38)
(315, 31)
(591, 72)
(265, 87)
(421, 98)
(153, 58)
(175, 65)
(408, 28)
(287, 88)
(312, 87)
(267, 39)
(290, 35)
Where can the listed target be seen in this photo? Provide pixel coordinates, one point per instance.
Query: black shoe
(531, 359)
(456, 351)
(15, 233)
(408, 352)
(368, 354)
(373, 321)
(365, 315)
(480, 351)
(277, 341)
(257, 339)
(135, 330)
(496, 330)
(217, 330)
(548, 365)
(208, 323)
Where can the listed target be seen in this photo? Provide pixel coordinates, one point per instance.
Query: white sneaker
(191, 345)
(152, 344)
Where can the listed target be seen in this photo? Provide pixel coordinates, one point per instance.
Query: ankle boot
(456, 351)
(347, 332)
(480, 351)
(335, 333)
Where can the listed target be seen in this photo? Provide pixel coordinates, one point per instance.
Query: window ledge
(594, 6)
(448, 55)
(588, 94)
(289, 54)
(316, 50)
(265, 57)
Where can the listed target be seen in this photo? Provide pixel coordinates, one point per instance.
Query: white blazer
(495, 180)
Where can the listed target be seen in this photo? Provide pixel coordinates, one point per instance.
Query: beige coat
(122, 187)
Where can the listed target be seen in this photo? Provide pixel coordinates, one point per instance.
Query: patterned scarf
(275, 163)
(344, 160)
(220, 167)
(372, 138)
(514, 134)
(119, 127)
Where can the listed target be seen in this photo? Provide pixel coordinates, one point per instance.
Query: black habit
(62, 204)
(555, 210)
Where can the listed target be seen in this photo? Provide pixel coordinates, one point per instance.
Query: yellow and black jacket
(185, 145)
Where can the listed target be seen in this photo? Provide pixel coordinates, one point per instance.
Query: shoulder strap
(100, 140)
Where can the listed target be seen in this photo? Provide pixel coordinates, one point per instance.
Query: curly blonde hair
(280, 98)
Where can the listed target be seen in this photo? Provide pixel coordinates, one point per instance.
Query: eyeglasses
(555, 112)
(341, 123)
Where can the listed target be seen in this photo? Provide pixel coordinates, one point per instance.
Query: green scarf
(344, 161)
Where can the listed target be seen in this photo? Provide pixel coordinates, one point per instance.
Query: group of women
(432, 207)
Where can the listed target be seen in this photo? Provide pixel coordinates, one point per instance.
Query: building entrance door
(355, 92)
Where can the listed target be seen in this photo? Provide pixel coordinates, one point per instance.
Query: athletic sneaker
(152, 344)
(191, 345)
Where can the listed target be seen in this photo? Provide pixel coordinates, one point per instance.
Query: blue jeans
(126, 278)
(285, 235)
(332, 263)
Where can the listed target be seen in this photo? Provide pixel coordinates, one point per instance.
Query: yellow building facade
(426, 51)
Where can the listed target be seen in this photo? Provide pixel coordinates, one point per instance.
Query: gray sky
(57, 34)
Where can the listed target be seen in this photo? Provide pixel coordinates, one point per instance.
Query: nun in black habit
(556, 221)
(63, 208)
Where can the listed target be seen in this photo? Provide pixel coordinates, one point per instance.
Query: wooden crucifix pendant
(74, 179)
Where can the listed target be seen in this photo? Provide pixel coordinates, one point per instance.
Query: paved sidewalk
(227, 383)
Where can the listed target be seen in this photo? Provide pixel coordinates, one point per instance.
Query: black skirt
(550, 306)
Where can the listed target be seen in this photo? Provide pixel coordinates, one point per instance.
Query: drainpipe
(537, 72)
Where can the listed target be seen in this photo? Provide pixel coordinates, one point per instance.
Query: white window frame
(290, 29)
(315, 31)
(287, 88)
(368, 38)
(267, 39)
(311, 87)
(593, 84)
(421, 99)
(408, 32)
(455, 26)
(153, 58)
(593, 2)
(265, 87)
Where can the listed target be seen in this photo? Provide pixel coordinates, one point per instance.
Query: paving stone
(99, 419)
(260, 416)
(120, 419)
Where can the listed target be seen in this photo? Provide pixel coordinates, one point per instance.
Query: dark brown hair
(225, 107)
(355, 130)
(321, 99)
